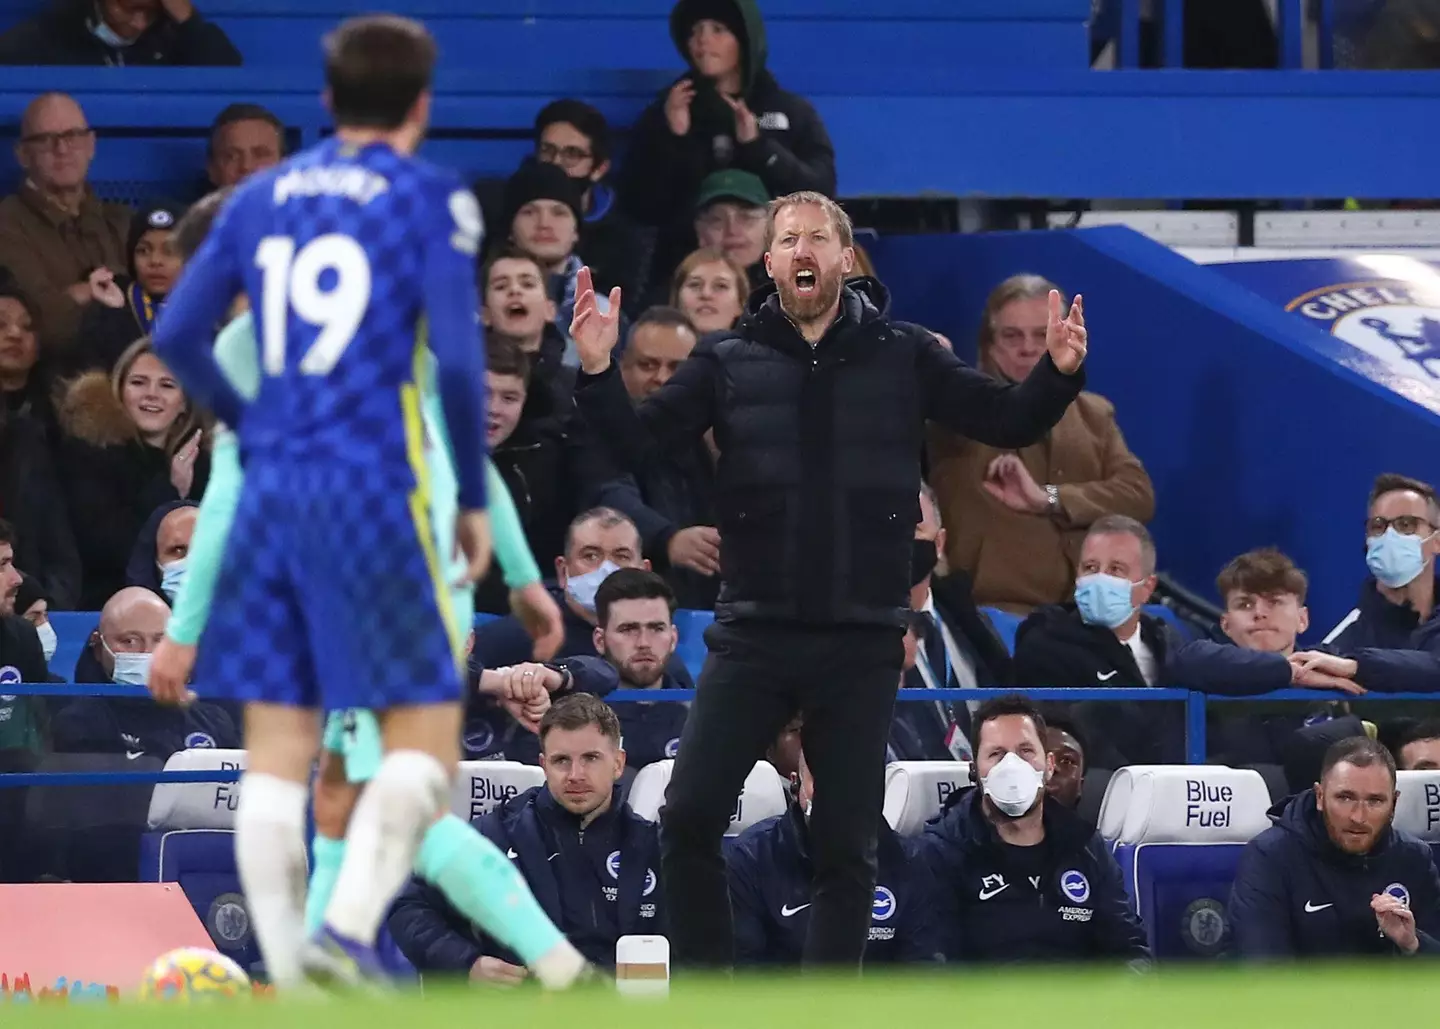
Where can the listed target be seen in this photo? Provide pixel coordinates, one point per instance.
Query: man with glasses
(731, 216)
(575, 136)
(56, 235)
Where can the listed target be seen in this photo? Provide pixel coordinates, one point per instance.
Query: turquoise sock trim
(328, 856)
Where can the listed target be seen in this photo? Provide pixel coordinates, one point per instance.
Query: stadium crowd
(103, 460)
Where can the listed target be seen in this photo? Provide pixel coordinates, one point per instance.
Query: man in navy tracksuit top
(1022, 878)
(1333, 877)
(770, 876)
(591, 862)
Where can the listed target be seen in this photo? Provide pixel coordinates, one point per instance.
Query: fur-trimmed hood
(89, 411)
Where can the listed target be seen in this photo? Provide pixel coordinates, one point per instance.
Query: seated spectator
(131, 443)
(549, 463)
(1417, 747)
(244, 139)
(770, 875)
(125, 306)
(592, 863)
(1021, 877)
(33, 605)
(118, 32)
(1333, 877)
(1402, 537)
(956, 650)
(158, 561)
(711, 290)
(575, 136)
(726, 111)
(1019, 517)
(55, 233)
(36, 507)
(22, 659)
(732, 217)
(132, 622)
(784, 753)
(1067, 757)
(515, 306)
(25, 384)
(673, 502)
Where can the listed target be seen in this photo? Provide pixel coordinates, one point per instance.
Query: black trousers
(842, 679)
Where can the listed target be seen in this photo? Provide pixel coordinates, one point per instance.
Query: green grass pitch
(1223, 997)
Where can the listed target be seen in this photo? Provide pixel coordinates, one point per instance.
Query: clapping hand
(595, 333)
(1010, 482)
(1066, 338)
(103, 288)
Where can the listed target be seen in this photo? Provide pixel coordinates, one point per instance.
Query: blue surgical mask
(102, 31)
(1395, 559)
(172, 577)
(130, 669)
(48, 640)
(1104, 599)
(581, 588)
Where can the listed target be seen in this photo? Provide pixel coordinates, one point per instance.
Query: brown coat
(1020, 561)
(48, 250)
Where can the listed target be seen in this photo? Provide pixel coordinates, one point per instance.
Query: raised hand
(169, 672)
(1066, 338)
(595, 333)
(103, 288)
(747, 128)
(1010, 482)
(677, 106)
(182, 465)
(1396, 921)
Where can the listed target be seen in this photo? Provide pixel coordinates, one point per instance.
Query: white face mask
(48, 640)
(1013, 785)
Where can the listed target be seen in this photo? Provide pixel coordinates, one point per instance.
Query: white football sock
(270, 857)
(407, 794)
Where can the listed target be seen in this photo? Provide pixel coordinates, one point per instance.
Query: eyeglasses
(746, 217)
(53, 140)
(1405, 525)
(565, 156)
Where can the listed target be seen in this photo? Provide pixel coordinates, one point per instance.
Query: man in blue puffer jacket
(1333, 877)
(591, 862)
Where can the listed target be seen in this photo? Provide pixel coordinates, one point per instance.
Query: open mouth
(516, 310)
(805, 282)
(151, 407)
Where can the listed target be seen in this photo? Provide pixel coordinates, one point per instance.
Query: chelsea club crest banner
(1386, 305)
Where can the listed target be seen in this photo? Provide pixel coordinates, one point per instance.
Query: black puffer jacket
(817, 489)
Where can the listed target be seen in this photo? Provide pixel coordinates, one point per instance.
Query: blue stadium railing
(1196, 705)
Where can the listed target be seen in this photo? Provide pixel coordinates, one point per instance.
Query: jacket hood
(142, 568)
(741, 16)
(1299, 816)
(862, 299)
(90, 411)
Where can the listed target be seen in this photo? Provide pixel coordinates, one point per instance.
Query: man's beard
(809, 307)
(643, 676)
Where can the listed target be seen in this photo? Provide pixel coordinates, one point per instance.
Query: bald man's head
(132, 622)
(56, 143)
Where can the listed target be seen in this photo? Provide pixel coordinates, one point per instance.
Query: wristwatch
(1052, 500)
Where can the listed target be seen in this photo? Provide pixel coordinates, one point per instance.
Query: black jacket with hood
(65, 35)
(1297, 895)
(817, 490)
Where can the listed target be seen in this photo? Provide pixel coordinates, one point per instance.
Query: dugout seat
(1179, 844)
(1417, 811)
(915, 791)
(480, 786)
(87, 831)
(190, 840)
(763, 796)
(1116, 800)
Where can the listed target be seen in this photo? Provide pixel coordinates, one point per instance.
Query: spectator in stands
(770, 875)
(1067, 757)
(1019, 516)
(132, 622)
(34, 606)
(591, 862)
(726, 111)
(124, 307)
(244, 138)
(514, 305)
(1417, 746)
(957, 650)
(548, 462)
(1402, 537)
(25, 384)
(673, 500)
(711, 289)
(1021, 876)
(55, 233)
(1333, 876)
(131, 443)
(22, 659)
(732, 217)
(574, 135)
(118, 32)
(158, 561)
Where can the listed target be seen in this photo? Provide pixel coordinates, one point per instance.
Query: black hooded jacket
(817, 489)
(63, 35)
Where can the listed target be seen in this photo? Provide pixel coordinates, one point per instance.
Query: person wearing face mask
(770, 875)
(158, 561)
(119, 32)
(1021, 876)
(132, 623)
